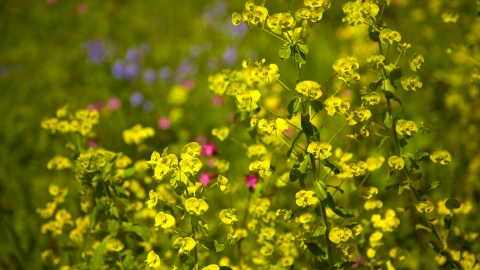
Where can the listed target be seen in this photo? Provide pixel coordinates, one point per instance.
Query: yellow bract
(375, 240)
(228, 216)
(369, 192)
(335, 105)
(338, 235)
(211, 267)
(374, 163)
(416, 61)
(396, 162)
(164, 220)
(424, 207)
(358, 11)
(273, 127)
(280, 22)
(191, 166)
(196, 206)
(406, 128)
(268, 74)
(114, 245)
(221, 133)
(442, 157)
(387, 224)
(153, 199)
(263, 167)
(247, 100)
(345, 67)
(321, 150)
(387, 35)
(309, 89)
(411, 82)
(153, 260)
(191, 150)
(374, 60)
(372, 204)
(184, 245)
(305, 198)
(163, 164)
(371, 98)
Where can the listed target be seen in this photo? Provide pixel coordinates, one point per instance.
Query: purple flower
(165, 73)
(149, 76)
(131, 55)
(185, 69)
(208, 149)
(148, 106)
(118, 69)
(212, 63)
(164, 123)
(131, 71)
(230, 56)
(136, 99)
(95, 51)
(236, 31)
(114, 103)
(252, 180)
(144, 48)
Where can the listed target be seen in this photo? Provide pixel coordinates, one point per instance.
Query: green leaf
(422, 156)
(218, 247)
(373, 34)
(294, 173)
(82, 265)
(129, 172)
(303, 165)
(318, 265)
(128, 262)
(302, 47)
(343, 212)
(344, 265)
(112, 227)
(93, 217)
(316, 105)
(315, 249)
(333, 166)
(299, 135)
(382, 142)
(209, 245)
(180, 222)
(285, 51)
(300, 56)
(203, 228)
(97, 259)
(141, 231)
(392, 187)
(307, 126)
(416, 176)
(320, 190)
(293, 107)
(337, 188)
(388, 87)
(433, 186)
(225, 268)
(387, 119)
(319, 231)
(113, 211)
(421, 227)
(448, 222)
(120, 191)
(453, 203)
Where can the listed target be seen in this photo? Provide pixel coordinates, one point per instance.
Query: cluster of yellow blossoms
(81, 122)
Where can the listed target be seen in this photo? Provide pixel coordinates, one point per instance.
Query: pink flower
(231, 117)
(96, 106)
(208, 149)
(164, 123)
(211, 163)
(205, 178)
(289, 132)
(217, 101)
(360, 261)
(188, 84)
(114, 103)
(51, 2)
(92, 144)
(82, 9)
(201, 139)
(252, 180)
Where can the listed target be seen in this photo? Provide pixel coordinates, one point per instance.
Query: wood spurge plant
(312, 171)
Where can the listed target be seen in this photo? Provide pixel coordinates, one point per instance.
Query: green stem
(286, 87)
(274, 35)
(278, 115)
(337, 132)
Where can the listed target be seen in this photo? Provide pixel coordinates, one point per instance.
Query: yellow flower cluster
(335, 105)
(396, 163)
(359, 11)
(305, 198)
(59, 198)
(81, 122)
(309, 89)
(387, 224)
(442, 157)
(262, 167)
(388, 35)
(338, 235)
(406, 128)
(416, 61)
(411, 82)
(273, 127)
(321, 150)
(345, 67)
(252, 14)
(59, 162)
(137, 134)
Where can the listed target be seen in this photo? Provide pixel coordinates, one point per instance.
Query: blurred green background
(125, 56)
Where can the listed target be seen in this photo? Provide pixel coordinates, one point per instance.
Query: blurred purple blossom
(118, 69)
(131, 71)
(185, 69)
(149, 76)
(148, 106)
(212, 63)
(211, 163)
(230, 56)
(360, 261)
(236, 31)
(136, 99)
(131, 55)
(165, 73)
(144, 48)
(213, 14)
(95, 51)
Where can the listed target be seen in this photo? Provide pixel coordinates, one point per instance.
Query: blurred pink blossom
(231, 117)
(92, 144)
(217, 101)
(51, 2)
(201, 139)
(211, 163)
(82, 9)
(95, 106)
(205, 178)
(360, 261)
(252, 180)
(164, 123)
(289, 132)
(208, 149)
(114, 103)
(189, 84)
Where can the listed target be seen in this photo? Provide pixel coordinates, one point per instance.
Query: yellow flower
(236, 18)
(375, 239)
(345, 67)
(280, 21)
(211, 267)
(363, 114)
(153, 260)
(268, 74)
(387, 224)
(309, 89)
(305, 198)
(222, 182)
(336, 105)
(424, 207)
(374, 60)
(248, 99)
(273, 127)
(369, 192)
(371, 98)
(221, 133)
(416, 61)
(320, 149)
(411, 82)
(164, 220)
(374, 163)
(304, 218)
(136, 135)
(372, 204)
(442, 157)
(338, 235)
(256, 150)
(387, 35)
(396, 162)
(406, 128)
(162, 165)
(184, 245)
(115, 245)
(228, 216)
(196, 206)
(263, 167)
